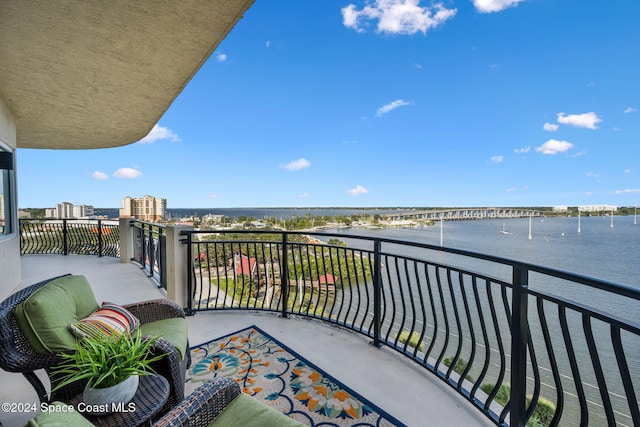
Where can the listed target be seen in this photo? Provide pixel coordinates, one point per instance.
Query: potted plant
(111, 364)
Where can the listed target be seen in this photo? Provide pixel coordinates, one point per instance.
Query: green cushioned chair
(217, 403)
(34, 326)
(246, 411)
(54, 418)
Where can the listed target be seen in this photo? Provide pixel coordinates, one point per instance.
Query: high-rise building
(66, 210)
(147, 208)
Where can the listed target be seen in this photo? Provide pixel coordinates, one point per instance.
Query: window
(6, 192)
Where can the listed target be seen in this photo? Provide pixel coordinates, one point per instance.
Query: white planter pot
(104, 400)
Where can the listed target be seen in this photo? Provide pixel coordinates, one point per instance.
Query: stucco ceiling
(89, 74)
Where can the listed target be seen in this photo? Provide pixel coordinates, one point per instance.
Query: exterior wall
(9, 245)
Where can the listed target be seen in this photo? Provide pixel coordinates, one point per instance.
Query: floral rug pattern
(271, 372)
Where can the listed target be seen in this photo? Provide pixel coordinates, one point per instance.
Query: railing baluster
(485, 339)
(65, 249)
(520, 333)
(472, 335)
(99, 238)
(573, 363)
(284, 276)
(597, 367)
(623, 367)
(377, 293)
(552, 361)
(447, 334)
(190, 264)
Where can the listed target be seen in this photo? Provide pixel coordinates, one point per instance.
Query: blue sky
(387, 103)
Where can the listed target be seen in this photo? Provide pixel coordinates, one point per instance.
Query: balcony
(444, 323)
(387, 380)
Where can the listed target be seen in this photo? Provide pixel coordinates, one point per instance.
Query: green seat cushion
(173, 330)
(61, 418)
(44, 317)
(246, 411)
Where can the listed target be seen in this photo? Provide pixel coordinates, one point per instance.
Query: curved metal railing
(70, 236)
(524, 343)
(150, 249)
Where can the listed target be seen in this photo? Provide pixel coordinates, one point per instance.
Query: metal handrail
(150, 249)
(69, 236)
(526, 344)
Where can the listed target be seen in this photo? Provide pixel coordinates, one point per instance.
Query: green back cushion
(246, 411)
(45, 316)
(173, 330)
(53, 418)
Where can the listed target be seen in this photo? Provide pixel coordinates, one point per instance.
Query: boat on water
(504, 230)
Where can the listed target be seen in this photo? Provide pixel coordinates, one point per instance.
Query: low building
(597, 208)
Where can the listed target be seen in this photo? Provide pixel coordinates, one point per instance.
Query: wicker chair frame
(203, 405)
(17, 355)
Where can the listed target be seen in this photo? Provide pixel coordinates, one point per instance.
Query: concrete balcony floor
(395, 384)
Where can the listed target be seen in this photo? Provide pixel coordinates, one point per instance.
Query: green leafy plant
(411, 339)
(107, 360)
(542, 414)
(459, 367)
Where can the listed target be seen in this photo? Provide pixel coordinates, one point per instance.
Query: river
(598, 251)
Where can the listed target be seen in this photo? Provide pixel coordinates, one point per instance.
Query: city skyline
(386, 103)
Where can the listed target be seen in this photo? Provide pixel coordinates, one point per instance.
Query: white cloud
(497, 159)
(550, 127)
(221, 57)
(357, 190)
(296, 165)
(630, 110)
(127, 173)
(628, 190)
(553, 146)
(212, 196)
(99, 175)
(391, 106)
(586, 120)
(511, 189)
(524, 150)
(158, 133)
(617, 129)
(397, 16)
(627, 171)
(303, 195)
(489, 6)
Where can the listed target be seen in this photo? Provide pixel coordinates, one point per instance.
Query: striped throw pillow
(110, 319)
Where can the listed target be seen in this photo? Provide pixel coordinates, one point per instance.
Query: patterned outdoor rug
(279, 377)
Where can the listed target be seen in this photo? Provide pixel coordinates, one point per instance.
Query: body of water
(598, 251)
(258, 213)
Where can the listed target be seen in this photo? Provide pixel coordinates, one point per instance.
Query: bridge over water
(464, 213)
